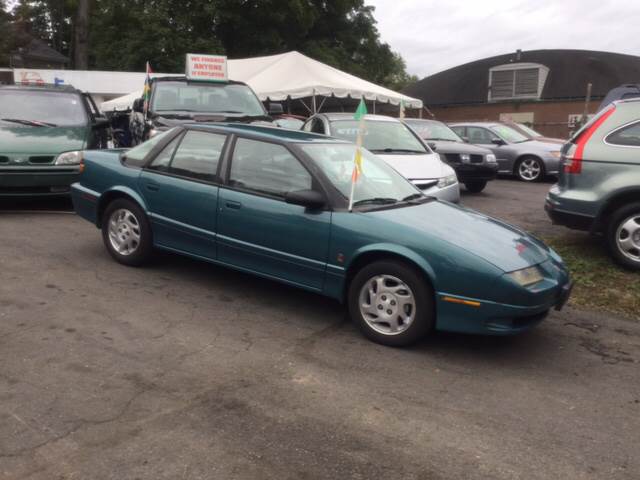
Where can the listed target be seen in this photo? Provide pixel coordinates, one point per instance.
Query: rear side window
(198, 155)
(628, 136)
(136, 157)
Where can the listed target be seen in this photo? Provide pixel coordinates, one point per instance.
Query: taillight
(574, 163)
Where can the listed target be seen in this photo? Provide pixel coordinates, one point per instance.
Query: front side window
(136, 156)
(41, 108)
(628, 136)
(198, 155)
(480, 135)
(267, 168)
(377, 179)
(380, 136)
(208, 98)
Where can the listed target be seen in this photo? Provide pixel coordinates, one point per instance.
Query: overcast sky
(435, 35)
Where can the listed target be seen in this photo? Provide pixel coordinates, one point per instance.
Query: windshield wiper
(376, 201)
(413, 196)
(31, 123)
(390, 150)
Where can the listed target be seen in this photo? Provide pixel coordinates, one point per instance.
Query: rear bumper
(29, 182)
(471, 172)
(558, 216)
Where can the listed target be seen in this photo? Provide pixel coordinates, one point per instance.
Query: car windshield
(378, 183)
(529, 131)
(433, 130)
(380, 136)
(41, 108)
(509, 134)
(205, 98)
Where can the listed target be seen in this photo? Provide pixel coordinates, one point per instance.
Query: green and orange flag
(359, 115)
(146, 93)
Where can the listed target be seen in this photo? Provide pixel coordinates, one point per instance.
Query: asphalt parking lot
(187, 370)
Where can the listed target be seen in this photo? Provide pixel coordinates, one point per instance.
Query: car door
(180, 187)
(484, 137)
(260, 232)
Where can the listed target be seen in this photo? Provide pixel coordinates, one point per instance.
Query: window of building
(516, 81)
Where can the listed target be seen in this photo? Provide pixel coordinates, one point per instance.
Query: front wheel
(391, 303)
(126, 232)
(530, 169)
(623, 236)
(475, 186)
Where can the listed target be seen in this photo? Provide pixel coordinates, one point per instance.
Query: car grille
(455, 158)
(476, 158)
(41, 159)
(425, 184)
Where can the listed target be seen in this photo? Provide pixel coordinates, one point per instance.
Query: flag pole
(361, 111)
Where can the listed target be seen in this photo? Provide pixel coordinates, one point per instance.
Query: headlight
(69, 158)
(526, 276)
(555, 154)
(448, 180)
(491, 158)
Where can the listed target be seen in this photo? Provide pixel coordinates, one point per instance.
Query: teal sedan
(274, 203)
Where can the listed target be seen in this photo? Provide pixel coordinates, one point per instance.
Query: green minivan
(598, 189)
(43, 130)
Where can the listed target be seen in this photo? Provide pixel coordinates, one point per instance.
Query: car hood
(184, 118)
(458, 147)
(42, 140)
(542, 146)
(412, 166)
(503, 245)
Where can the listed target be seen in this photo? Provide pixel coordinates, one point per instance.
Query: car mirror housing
(100, 122)
(432, 146)
(306, 198)
(465, 139)
(498, 141)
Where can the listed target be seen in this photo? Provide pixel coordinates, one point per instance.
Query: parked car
(533, 134)
(599, 185)
(474, 165)
(176, 100)
(397, 145)
(42, 131)
(529, 160)
(274, 202)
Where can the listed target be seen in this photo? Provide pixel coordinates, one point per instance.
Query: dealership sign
(212, 68)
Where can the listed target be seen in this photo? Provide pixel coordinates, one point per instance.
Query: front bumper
(37, 181)
(475, 172)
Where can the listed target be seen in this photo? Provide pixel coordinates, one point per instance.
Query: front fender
(395, 250)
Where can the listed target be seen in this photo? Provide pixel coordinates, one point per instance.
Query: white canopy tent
(292, 75)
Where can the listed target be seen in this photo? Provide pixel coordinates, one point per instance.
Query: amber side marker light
(81, 166)
(460, 301)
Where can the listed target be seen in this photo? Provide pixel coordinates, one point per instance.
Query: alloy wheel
(628, 237)
(529, 169)
(387, 304)
(124, 231)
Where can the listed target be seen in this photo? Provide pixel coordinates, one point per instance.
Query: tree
(81, 36)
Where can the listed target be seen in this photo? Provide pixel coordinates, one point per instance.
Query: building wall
(549, 118)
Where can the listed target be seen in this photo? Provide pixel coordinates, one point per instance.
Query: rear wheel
(391, 303)
(530, 169)
(623, 236)
(475, 186)
(126, 232)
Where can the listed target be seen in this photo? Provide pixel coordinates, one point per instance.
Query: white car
(397, 145)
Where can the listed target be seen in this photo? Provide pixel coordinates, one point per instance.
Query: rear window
(586, 126)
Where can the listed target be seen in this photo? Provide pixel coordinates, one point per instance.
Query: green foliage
(124, 34)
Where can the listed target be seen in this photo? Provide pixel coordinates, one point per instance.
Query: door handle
(153, 187)
(234, 205)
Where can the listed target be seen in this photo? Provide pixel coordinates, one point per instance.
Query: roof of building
(39, 50)
(569, 73)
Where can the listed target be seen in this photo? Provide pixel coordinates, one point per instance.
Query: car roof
(266, 132)
(334, 116)
(42, 88)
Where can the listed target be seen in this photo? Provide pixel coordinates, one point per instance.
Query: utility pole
(81, 36)
(587, 100)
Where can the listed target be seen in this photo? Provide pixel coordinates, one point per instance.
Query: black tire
(141, 253)
(620, 217)
(540, 165)
(475, 186)
(424, 315)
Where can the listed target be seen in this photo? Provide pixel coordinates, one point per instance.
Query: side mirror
(498, 141)
(306, 198)
(138, 105)
(465, 139)
(432, 146)
(100, 122)
(275, 109)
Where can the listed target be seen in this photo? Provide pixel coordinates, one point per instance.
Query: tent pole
(314, 101)
(374, 106)
(421, 113)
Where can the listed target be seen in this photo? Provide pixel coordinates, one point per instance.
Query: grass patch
(599, 283)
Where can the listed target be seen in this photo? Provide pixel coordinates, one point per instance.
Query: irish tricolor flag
(361, 111)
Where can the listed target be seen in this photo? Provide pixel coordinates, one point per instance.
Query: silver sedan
(529, 160)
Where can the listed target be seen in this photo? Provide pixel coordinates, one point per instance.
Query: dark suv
(599, 185)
